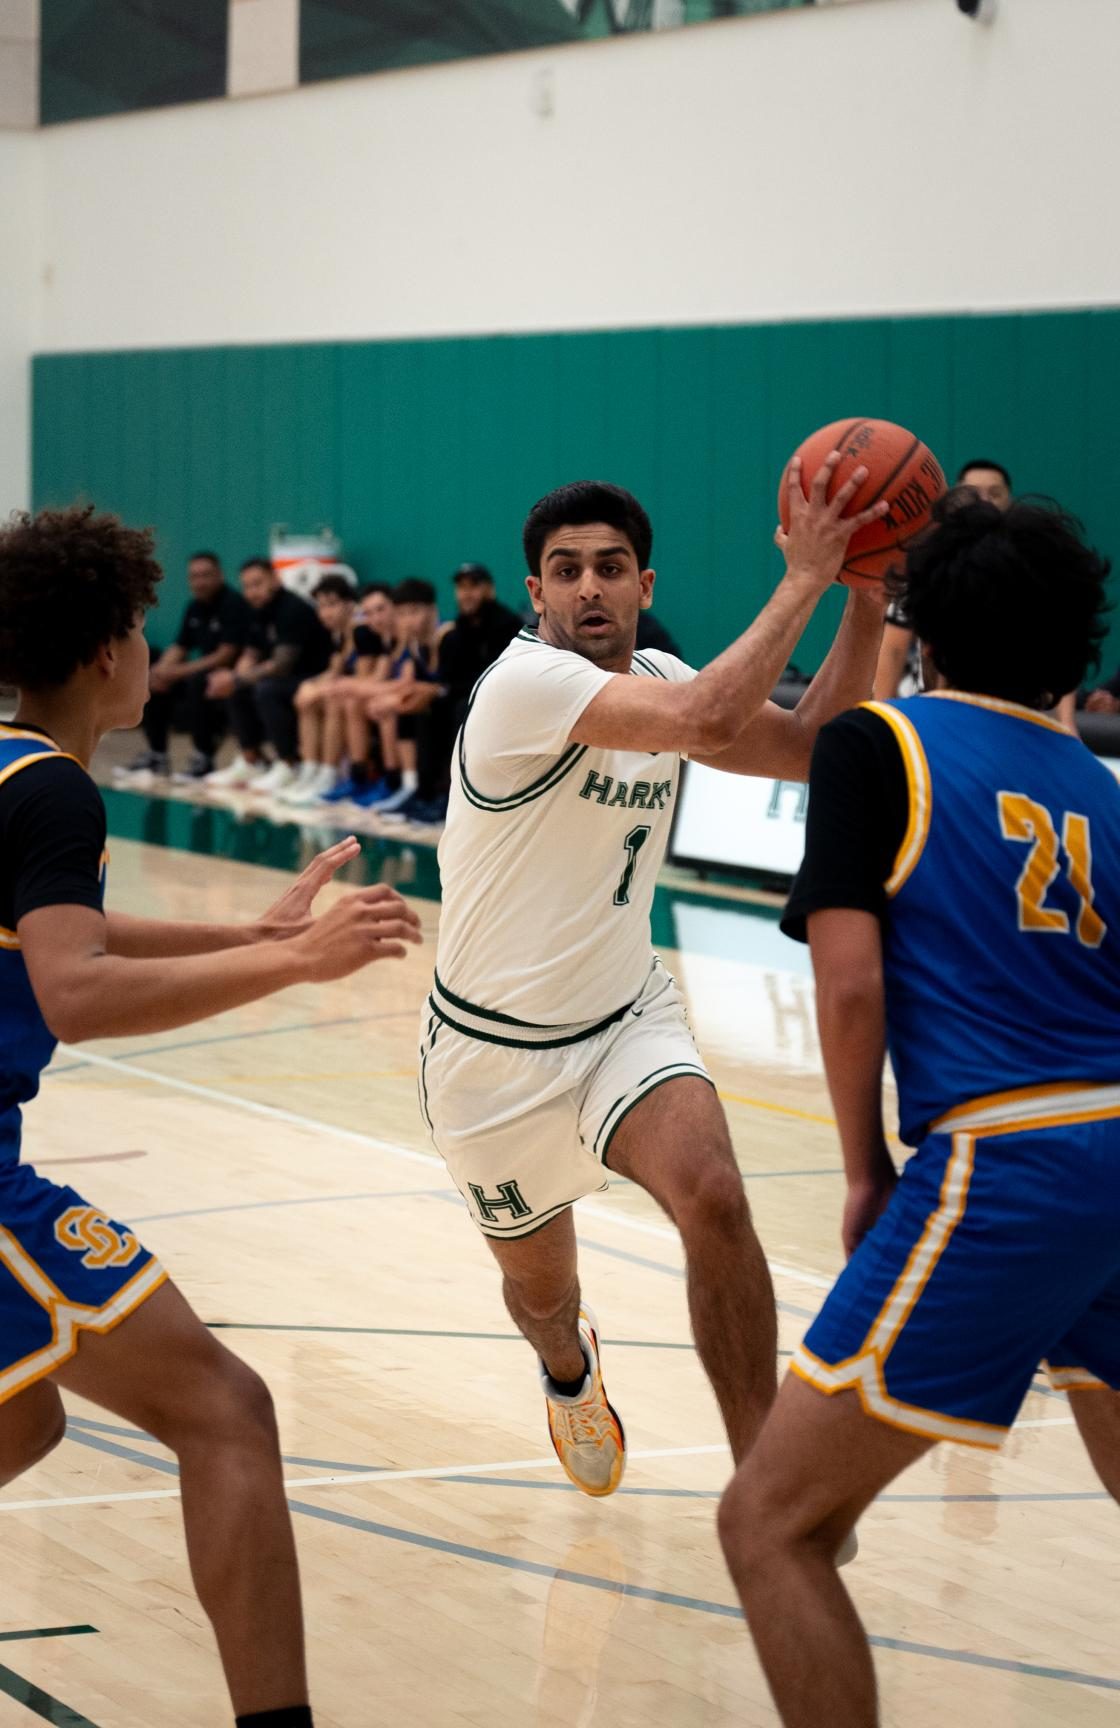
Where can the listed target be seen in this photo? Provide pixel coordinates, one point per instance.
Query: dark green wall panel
(421, 454)
(102, 57)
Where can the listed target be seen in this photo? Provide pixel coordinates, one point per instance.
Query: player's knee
(29, 1443)
(750, 1526)
(713, 1200)
(540, 1301)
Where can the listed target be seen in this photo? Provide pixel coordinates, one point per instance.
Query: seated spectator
(482, 630)
(376, 629)
(286, 644)
(211, 635)
(1105, 699)
(353, 650)
(394, 704)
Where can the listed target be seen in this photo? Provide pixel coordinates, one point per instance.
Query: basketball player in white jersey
(555, 1045)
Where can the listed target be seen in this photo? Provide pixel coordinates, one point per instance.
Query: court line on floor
(315, 1125)
(231, 1038)
(33, 1697)
(299, 1200)
(437, 1332)
(640, 1592)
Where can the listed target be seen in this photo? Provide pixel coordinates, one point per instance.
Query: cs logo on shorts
(89, 1233)
(509, 1198)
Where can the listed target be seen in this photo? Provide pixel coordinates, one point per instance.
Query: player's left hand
(291, 914)
(865, 1205)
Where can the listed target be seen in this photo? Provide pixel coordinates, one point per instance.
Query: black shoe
(198, 766)
(145, 766)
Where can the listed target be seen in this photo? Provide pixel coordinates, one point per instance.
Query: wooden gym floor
(276, 1161)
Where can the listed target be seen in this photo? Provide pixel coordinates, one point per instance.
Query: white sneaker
(278, 779)
(309, 788)
(239, 773)
(586, 1432)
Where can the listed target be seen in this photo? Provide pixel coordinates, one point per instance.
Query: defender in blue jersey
(961, 896)
(83, 1304)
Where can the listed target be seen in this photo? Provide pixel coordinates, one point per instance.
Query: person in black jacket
(212, 634)
(286, 644)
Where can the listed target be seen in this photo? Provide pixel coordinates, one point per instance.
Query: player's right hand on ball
(370, 924)
(815, 545)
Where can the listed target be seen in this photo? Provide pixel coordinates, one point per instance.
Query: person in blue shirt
(83, 1304)
(961, 897)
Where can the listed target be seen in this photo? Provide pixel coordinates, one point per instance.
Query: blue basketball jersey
(26, 1041)
(1002, 935)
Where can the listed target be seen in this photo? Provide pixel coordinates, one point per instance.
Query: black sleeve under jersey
(52, 839)
(858, 810)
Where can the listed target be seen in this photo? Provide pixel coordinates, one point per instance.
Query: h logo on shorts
(509, 1198)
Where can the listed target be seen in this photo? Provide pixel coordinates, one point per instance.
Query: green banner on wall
(339, 38)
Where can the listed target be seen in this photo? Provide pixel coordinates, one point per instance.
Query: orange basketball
(901, 469)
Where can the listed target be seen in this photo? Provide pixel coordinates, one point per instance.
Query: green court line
(45, 1632)
(33, 1697)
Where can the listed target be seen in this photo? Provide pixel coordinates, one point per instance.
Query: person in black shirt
(653, 634)
(482, 630)
(211, 636)
(108, 1326)
(286, 643)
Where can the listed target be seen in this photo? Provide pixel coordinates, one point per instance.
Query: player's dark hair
(985, 462)
(256, 564)
(583, 502)
(1009, 603)
(334, 585)
(473, 573)
(205, 557)
(70, 581)
(368, 588)
(414, 591)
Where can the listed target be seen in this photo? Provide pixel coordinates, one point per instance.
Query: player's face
(590, 591)
(203, 579)
(412, 622)
(126, 689)
(990, 484)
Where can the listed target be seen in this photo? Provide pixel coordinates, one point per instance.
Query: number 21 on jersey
(1022, 819)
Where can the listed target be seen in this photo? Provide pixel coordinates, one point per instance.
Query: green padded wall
(102, 57)
(421, 454)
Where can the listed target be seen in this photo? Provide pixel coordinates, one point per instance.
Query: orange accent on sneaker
(587, 1434)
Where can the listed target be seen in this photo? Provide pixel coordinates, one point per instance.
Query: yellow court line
(777, 1109)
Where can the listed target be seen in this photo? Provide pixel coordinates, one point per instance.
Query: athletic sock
(567, 1388)
(296, 1716)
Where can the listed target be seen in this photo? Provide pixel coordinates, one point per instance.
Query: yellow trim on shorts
(865, 1372)
(68, 1319)
(1060, 1105)
(919, 789)
(1075, 1380)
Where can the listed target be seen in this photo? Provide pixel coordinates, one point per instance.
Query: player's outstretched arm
(156, 938)
(706, 716)
(778, 742)
(86, 992)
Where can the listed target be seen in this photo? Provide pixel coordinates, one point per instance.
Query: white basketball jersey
(551, 852)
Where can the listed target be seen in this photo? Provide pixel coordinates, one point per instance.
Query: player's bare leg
(1097, 1413)
(163, 1371)
(818, 1463)
(676, 1145)
(541, 1287)
(540, 1284)
(31, 1425)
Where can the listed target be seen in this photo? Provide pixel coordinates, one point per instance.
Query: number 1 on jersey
(634, 842)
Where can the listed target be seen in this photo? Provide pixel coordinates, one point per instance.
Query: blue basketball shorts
(1000, 1249)
(65, 1268)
